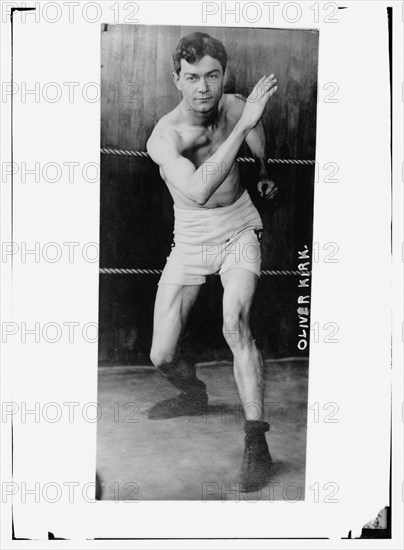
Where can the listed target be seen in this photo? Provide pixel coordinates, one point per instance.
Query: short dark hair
(196, 45)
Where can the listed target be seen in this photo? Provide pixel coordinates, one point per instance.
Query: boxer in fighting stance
(217, 230)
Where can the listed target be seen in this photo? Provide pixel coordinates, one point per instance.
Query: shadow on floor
(197, 457)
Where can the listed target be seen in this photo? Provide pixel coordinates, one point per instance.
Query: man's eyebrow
(209, 72)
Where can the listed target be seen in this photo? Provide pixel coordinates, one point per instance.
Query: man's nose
(203, 86)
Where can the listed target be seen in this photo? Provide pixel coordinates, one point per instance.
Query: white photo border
(358, 293)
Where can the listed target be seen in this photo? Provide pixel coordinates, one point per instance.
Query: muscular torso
(198, 144)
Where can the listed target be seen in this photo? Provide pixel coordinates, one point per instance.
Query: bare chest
(198, 143)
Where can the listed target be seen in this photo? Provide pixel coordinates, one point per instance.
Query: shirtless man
(217, 229)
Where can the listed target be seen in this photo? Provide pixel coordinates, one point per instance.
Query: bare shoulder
(234, 105)
(164, 138)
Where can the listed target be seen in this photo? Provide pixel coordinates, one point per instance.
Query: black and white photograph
(201, 274)
(207, 176)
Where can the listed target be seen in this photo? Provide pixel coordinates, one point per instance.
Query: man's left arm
(255, 140)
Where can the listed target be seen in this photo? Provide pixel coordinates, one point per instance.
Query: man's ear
(176, 79)
(225, 77)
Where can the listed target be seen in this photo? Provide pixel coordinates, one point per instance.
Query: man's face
(201, 84)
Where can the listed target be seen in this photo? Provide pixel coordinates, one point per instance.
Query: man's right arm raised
(197, 184)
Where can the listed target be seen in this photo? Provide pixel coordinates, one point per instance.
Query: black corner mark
(19, 9)
(51, 536)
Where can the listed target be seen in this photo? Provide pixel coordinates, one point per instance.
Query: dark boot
(192, 400)
(256, 468)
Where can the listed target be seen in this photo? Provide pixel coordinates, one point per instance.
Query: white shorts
(214, 240)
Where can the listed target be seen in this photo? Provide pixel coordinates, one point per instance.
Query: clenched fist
(267, 189)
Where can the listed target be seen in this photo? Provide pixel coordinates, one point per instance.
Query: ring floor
(197, 457)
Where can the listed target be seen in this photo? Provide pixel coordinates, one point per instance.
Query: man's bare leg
(239, 288)
(171, 310)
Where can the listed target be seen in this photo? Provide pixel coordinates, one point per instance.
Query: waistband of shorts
(193, 213)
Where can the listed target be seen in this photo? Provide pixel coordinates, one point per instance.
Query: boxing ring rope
(129, 153)
(149, 271)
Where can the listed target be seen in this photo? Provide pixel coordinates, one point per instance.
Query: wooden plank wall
(136, 208)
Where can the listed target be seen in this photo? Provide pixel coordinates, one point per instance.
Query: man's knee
(160, 357)
(236, 330)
